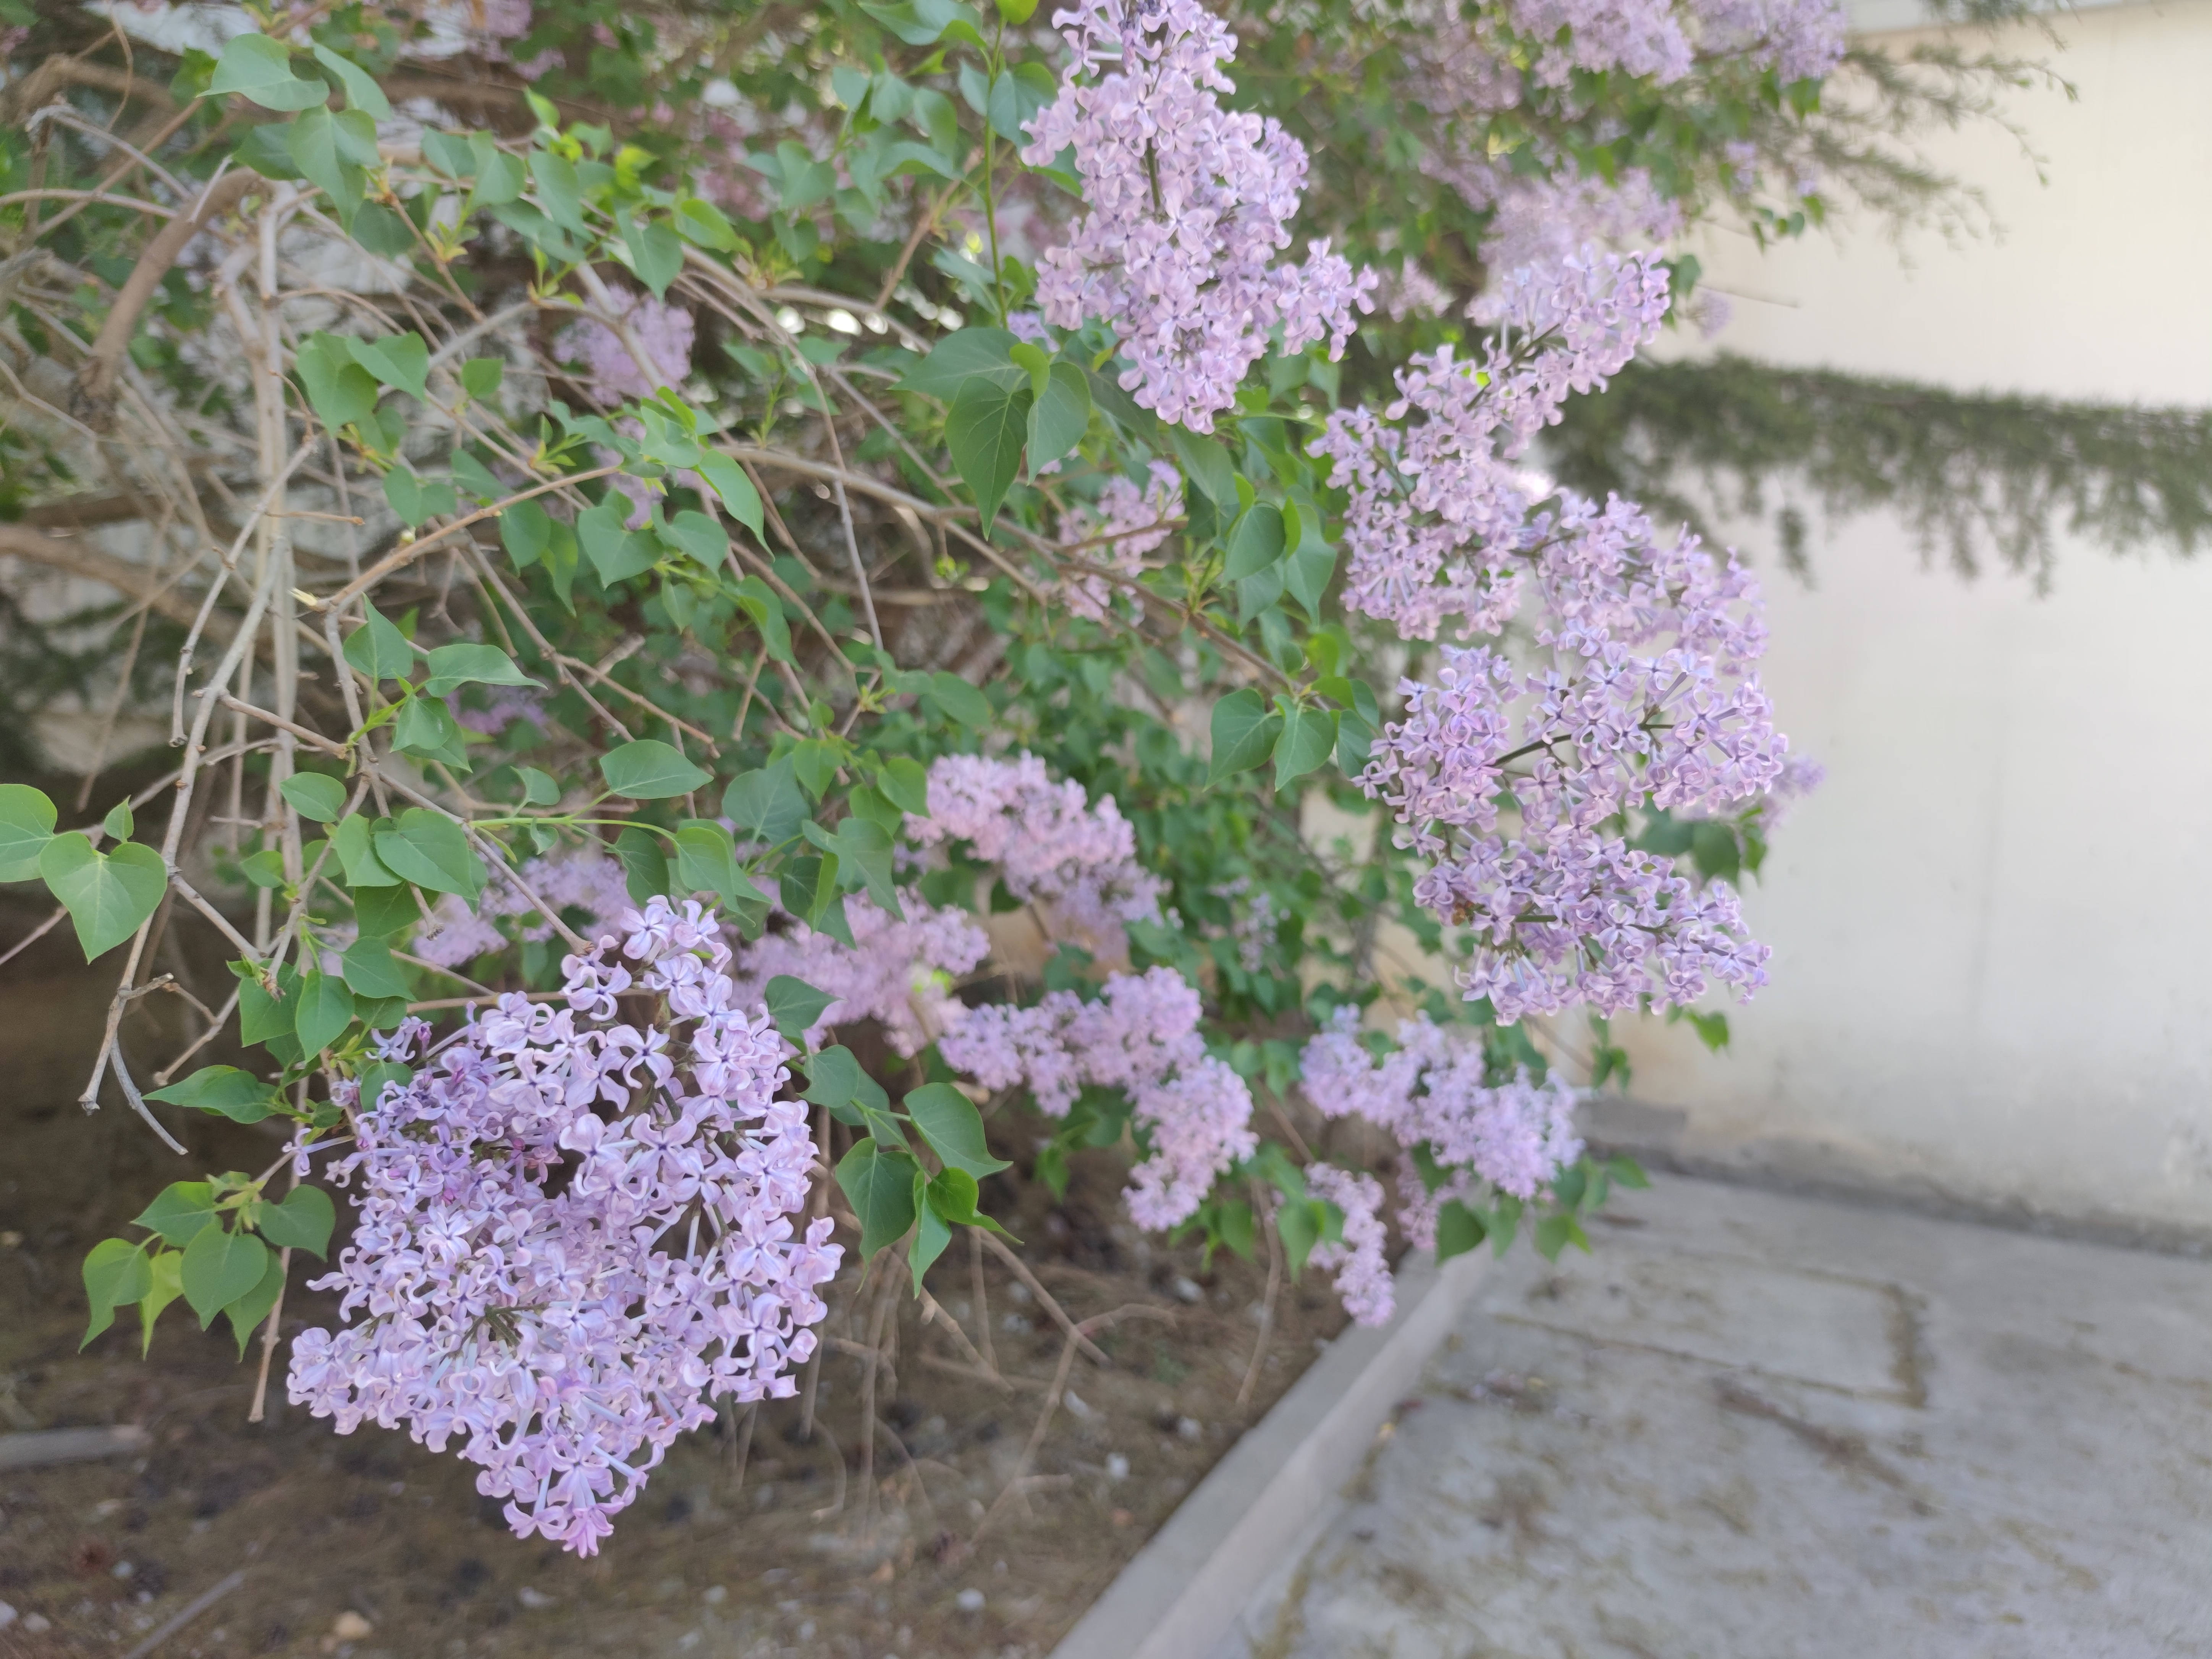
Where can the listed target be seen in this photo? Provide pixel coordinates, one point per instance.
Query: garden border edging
(1182, 1593)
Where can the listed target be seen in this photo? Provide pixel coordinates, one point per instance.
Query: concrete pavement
(1761, 1426)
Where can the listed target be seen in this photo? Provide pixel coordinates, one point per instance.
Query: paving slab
(1754, 1426)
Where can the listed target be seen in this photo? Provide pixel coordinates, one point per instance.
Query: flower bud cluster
(575, 1232)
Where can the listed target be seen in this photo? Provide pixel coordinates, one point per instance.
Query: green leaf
(302, 1222)
(341, 390)
(879, 1185)
(360, 88)
(1206, 464)
(314, 795)
(794, 1005)
(398, 359)
(645, 867)
(932, 1233)
(656, 253)
(27, 824)
(480, 377)
(247, 1312)
(1555, 1232)
(264, 868)
(1307, 572)
(427, 728)
(923, 22)
(949, 1122)
(968, 354)
(863, 851)
(179, 1211)
(527, 530)
(728, 481)
(219, 1268)
(1298, 1224)
(499, 176)
(1459, 1230)
(1245, 733)
(455, 666)
(698, 535)
(706, 862)
(766, 806)
(263, 1018)
(119, 822)
(378, 649)
(322, 1011)
(354, 842)
(702, 222)
(558, 193)
(649, 770)
(370, 970)
(961, 701)
(833, 1077)
(167, 1269)
(616, 553)
(386, 912)
(430, 850)
(224, 1089)
(1018, 95)
(539, 788)
(1308, 736)
(1354, 737)
(321, 146)
(984, 432)
(116, 1274)
(109, 896)
(1256, 543)
(261, 70)
(1059, 417)
(906, 785)
(762, 604)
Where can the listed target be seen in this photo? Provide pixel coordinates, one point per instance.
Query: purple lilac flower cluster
(565, 1333)
(1362, 1272)
(1050, 844)
(1187, 205)
(585, 879)
(1128, 522)
(663, 332)
(1141, 1035)
(1647, 699)
(1513, 1136)
(898, 973)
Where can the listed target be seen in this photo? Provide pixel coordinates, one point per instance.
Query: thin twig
(34, 936)
(1267, 1308)
(1091, 1351)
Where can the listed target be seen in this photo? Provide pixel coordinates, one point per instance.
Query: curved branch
(78, 558)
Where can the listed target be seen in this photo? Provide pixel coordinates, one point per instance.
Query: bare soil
(771, 1542)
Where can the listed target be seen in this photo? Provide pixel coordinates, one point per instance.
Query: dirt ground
(745, 1543)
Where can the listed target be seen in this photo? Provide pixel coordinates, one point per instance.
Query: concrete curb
(1183, 1591)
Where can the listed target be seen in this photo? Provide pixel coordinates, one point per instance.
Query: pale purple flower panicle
(1362, 1272)
(664, 333)
(582, 878)
(1140, 1035)
(898, 973)
(1049, 842)
(1515, 1136)
(1127, 523)
(1187, 205)
(565, 1333)
(1647, 700)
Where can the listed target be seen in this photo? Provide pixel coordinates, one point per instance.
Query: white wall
(1991, 927)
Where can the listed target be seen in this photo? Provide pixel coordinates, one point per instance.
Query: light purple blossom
(898, 973)
(1141, 1035)
(565, 1334)
(1127, 523)
(664, 333)
(1186, 206)
(1050, 844)
(1362, 1272)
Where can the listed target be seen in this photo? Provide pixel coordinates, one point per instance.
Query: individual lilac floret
(1187, 205)
(565, 1332)
(1140, 1035)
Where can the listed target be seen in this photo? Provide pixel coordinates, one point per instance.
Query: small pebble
(1186, 1290)
(1076, 1403)
(969, 1600)
(1117, 1467)
(1189, 1428)
(125, 1569)
(351, 1626)
(37, 1624)
(716, 1596)
(8, 1615)
(533, 1598)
